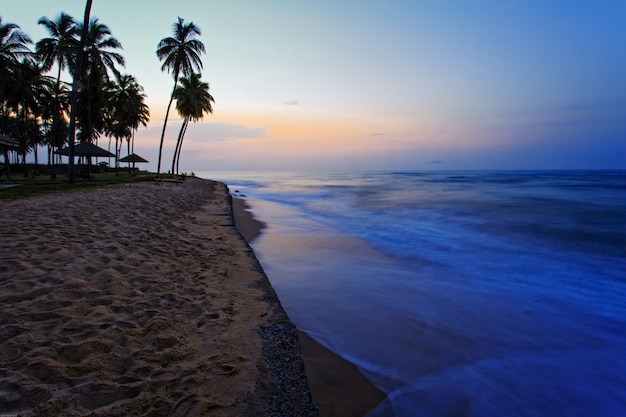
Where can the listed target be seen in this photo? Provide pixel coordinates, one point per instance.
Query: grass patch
(42, 184)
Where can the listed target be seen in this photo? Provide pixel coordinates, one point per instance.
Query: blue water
(457, 293)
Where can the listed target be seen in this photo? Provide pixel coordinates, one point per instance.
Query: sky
(339, 85)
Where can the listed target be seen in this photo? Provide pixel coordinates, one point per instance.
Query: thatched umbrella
(88, 150)
(7, 144)
(134, 158)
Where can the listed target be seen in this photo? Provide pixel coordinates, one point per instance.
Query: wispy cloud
(215, 131)
(292, 103)
(226, 131)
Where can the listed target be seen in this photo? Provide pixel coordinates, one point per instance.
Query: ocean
(478, 293)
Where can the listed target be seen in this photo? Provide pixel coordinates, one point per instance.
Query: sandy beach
(140, 300)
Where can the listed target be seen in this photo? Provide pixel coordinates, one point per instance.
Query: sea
(457, 293)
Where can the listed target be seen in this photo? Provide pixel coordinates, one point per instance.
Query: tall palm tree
(98, 58)
(60, 48)
(74, 93)
(181, 54)
(192, 101)
(99, 50)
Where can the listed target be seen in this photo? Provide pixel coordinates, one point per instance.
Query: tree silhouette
(74, 94)
(98, 59)
(59, 48)
(192, 101)
(181, 54)
(125, 111)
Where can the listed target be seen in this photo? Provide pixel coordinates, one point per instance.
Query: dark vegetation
(69, 88)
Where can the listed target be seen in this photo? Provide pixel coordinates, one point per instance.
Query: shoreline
(141, 300)
(337, 385)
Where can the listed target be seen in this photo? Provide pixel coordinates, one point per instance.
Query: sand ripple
(140, 300)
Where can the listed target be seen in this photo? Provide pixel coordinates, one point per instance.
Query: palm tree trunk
(132, 150)
(55, 124)
(117, 163)
(74, 95)
(24, 142)
(177, 148)
(167, 112)
(118, 151)
(181, 144)
(7, 163)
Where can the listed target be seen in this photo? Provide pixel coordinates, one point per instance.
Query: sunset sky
(420, 84)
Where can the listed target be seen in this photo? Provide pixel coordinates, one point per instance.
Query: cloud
(292, 103)
(214, 131)
(219, 131)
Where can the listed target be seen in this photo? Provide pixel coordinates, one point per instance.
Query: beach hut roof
(133, 157)
(86, 149)
(7, 142)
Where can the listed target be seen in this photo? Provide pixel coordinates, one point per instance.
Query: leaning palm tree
(181, 54)
(192, 101)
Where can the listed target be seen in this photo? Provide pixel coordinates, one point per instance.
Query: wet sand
(140, 300)
(338, 388)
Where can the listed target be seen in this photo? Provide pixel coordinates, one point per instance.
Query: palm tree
(13, 47)
(74, 93)
(54, 108)
(30, 90)
(181, 54)
(98, 60)
(126, 109)
(117, 106)
(98, 55)
(192, 101)
(140, 112)
(59, 48)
